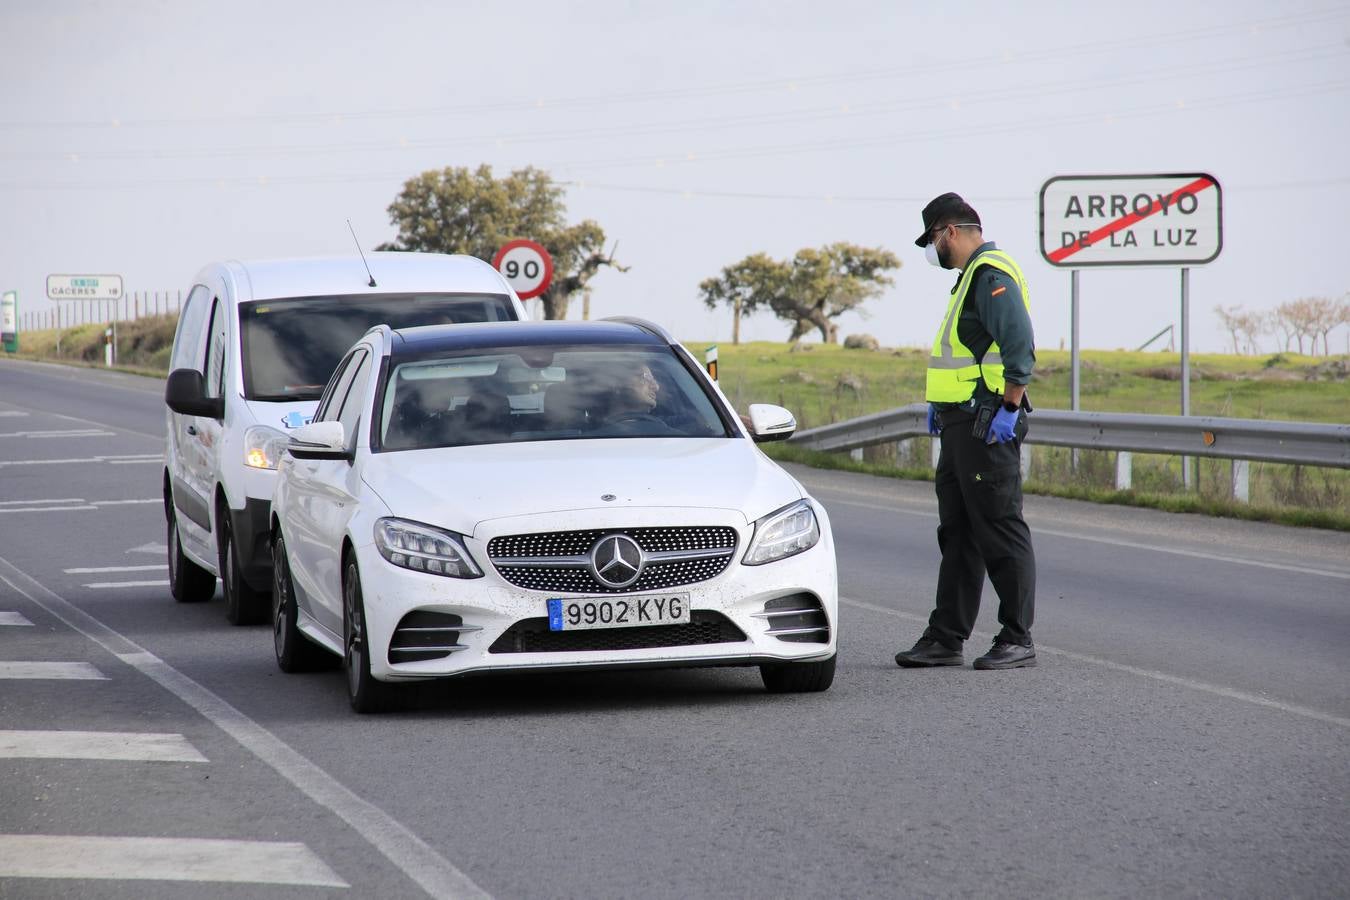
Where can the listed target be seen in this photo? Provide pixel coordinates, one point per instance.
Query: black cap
(946, 209)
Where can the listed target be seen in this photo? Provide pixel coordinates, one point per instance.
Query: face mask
(930, 253)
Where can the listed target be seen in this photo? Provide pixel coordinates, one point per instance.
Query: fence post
(856, 454)
(1025, 461)
(1241, 488)
(1124, 470)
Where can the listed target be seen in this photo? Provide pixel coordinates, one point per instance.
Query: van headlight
(263, 447)
(783, 533)
(424, 549)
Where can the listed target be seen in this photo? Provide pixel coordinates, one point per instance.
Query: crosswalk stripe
(162, 859)
(103, 585)
(13, 618)
(96, 569)
(79, 671)
(121, 745)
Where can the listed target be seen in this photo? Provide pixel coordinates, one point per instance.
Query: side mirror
(770, 423)
(185, 393)
(319, 440)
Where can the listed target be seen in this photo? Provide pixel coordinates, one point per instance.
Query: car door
(206, 459)
(192, 506)
(336, 484)
(304, 541)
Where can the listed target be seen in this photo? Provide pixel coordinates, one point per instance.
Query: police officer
(976, 390)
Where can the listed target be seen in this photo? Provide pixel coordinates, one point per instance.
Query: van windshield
(291, 346)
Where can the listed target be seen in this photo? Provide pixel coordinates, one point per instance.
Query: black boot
(928, 652)
(1004, 655)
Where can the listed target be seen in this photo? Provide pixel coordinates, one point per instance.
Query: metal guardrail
(1299, 443)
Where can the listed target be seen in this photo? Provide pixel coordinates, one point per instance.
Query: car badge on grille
(617, 560)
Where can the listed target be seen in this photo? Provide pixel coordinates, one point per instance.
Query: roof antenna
(363, 255)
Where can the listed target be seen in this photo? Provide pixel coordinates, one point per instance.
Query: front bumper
(490, 606)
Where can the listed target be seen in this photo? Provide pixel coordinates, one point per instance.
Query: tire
(366, 694)
(243, 605)
(188, 582)
(295, 652)
(798, 678)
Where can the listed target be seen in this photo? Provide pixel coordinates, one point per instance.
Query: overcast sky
(148, 139)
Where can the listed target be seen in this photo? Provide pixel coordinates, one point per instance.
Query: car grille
(533, 636)
(559, 562)
(799, 618)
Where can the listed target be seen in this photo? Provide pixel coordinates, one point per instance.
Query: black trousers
(981, 530)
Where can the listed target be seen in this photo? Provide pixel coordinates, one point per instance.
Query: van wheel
(188, 582)
(798, 678)
(366, 694)
(295, 652)
(243, 605)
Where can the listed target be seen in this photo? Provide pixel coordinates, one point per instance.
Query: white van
(255, 346)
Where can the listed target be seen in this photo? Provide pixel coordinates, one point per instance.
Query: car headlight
(263, 447)
(783, 533)
(424, 549)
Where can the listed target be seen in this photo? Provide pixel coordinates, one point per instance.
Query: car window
(187, 343)
(350, 415)
(337, 390)
(291, 346)
(544, 393)
(215, 350)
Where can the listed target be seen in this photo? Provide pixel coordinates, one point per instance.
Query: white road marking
(104, 585)
(40, 502)
(150, 548)
(1117, 542)
(11, 413)
(28, 509)
(113, 460)
(162, 859)
(93, 570)
(13, 618)
(1216, 689)
(68, 433)
(414, 857)
(126, 502)
(78, 671)
(121, 745)
(72, 505)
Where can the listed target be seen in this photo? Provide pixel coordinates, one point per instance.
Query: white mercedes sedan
(543, 496)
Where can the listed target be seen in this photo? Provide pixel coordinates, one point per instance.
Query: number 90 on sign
(526, 266)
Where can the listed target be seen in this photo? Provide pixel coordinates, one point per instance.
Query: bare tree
(1251, 325)
(1231, 318)
(1300, 318)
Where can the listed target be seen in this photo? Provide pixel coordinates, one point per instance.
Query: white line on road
(162, 859)
(13, 618)
(78, 671)
(113, 460)
(28, 509)
(126, 502)
(11, 413)
(104, 585)
(68, 433)
(96, 569)
(1117, 542)
(1219, 690)
(40, 502)
(414, 857)
(121, 745)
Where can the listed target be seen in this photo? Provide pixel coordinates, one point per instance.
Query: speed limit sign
(526, 266)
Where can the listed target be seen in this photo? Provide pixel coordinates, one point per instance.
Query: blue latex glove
(1001, 429)
(933, 428)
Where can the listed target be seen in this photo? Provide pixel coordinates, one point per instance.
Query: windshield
(290, 347)
(544, 394)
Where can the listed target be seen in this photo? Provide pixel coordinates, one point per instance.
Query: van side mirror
(770, 423)
(185, 393)
(319, 440)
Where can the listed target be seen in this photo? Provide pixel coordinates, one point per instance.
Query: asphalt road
(1184, 735)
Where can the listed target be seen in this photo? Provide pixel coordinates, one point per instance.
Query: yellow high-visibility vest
(953, 368)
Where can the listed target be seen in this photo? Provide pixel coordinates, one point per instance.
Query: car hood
(282, 415)
(461, 487)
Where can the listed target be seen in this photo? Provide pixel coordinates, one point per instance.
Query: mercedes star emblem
(616, 560)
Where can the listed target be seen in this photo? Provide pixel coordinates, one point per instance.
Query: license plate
(617, 612)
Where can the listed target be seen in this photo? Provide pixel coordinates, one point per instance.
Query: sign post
(710, 361)
(1132, 220)
(9, 321)
(526, 266)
